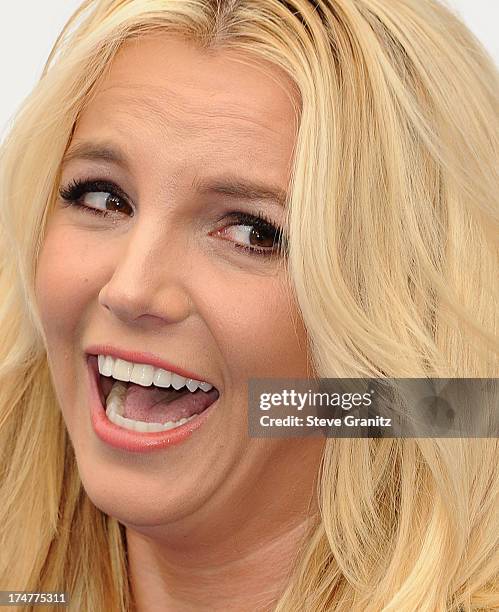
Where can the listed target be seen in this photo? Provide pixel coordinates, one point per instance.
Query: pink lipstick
(135, 441)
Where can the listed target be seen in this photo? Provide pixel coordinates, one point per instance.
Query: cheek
(260, 330)
(62, 280)
(62, 294)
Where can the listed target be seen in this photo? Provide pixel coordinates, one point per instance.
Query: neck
(237, 553)
(248, 579)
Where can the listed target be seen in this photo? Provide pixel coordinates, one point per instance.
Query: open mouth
(150, 408)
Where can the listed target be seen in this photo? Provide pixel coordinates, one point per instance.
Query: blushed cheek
(62, 284)
(62, 293)
(284, 354)
(263, 335)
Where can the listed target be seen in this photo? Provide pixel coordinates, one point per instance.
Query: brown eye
(102, 200)
(254, 233)
(97, 197)
(251, 236)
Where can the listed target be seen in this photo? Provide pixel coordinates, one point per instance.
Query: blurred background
(29, 28)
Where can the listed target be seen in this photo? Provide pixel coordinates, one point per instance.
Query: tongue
(155, 405)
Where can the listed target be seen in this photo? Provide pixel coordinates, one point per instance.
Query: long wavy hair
(393, 260)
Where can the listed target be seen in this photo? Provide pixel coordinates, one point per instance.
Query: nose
(147, 278)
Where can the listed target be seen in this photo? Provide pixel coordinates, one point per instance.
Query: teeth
(147, 375)
(142, 374)
(122, 370)
(106, 365)
(191, 384)
(162, 378)
(114, 412)
(114, 401)
(178, 381)
(204, 386)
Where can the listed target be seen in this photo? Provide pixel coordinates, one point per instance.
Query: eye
(257, 234)
(97, 197)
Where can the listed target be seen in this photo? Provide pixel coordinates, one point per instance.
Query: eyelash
(73, 192)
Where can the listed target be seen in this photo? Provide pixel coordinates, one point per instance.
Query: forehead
(165, 98)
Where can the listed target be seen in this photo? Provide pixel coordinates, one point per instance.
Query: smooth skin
(215, 522)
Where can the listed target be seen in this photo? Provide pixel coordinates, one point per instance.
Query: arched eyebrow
(227, 184)
(243, 189)
(95, 152)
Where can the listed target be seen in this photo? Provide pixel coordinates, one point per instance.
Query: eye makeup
(86, 194)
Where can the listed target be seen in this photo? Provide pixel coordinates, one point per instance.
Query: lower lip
(135, 441)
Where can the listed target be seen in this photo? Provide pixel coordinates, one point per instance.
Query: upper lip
(141, 357)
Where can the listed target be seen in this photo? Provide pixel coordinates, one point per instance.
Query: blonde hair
(392, 224)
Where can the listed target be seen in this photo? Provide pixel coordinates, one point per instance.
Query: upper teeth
(146, 375)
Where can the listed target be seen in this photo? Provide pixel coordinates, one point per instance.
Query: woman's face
(164, 273)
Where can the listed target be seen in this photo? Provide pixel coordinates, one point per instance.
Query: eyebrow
(230, 185)
(91, 152)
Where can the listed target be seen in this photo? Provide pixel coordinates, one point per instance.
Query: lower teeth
(114, 412)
